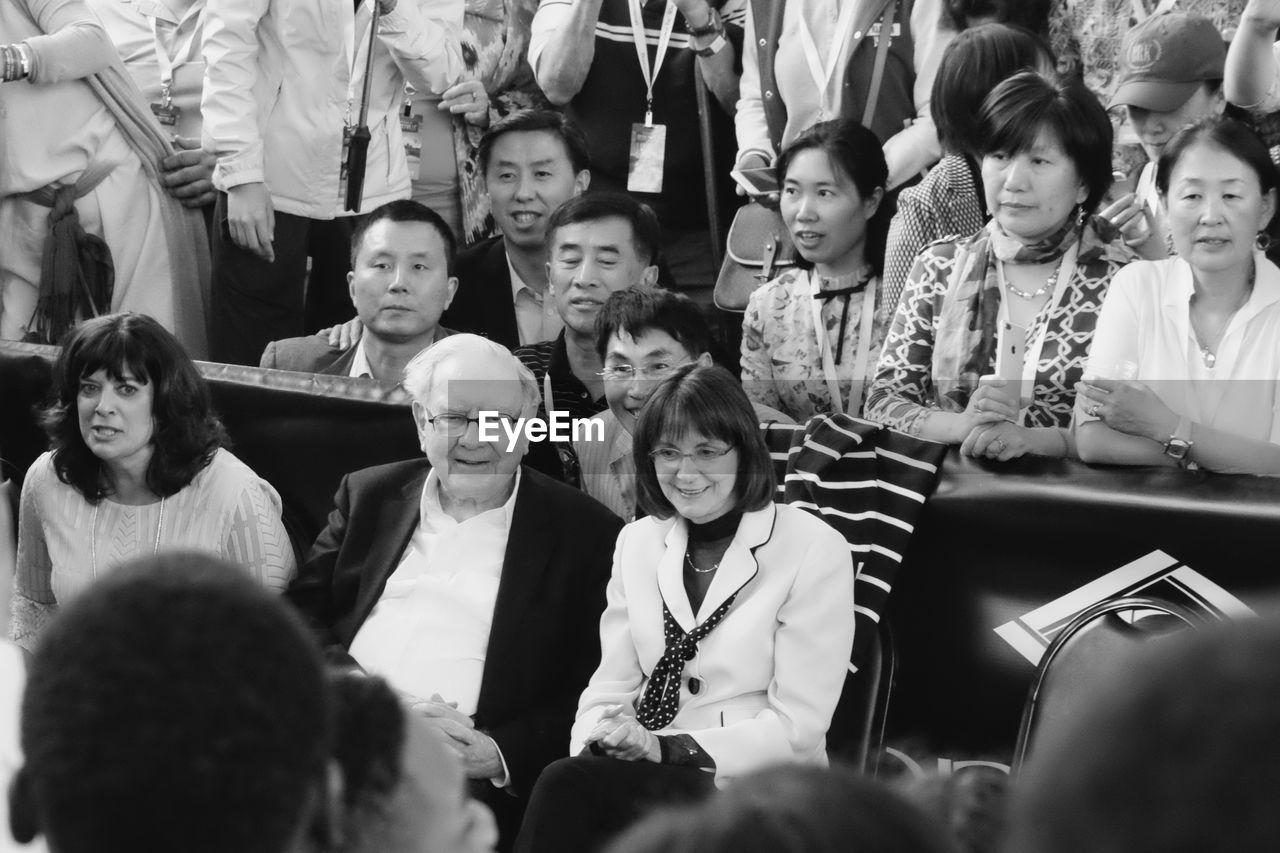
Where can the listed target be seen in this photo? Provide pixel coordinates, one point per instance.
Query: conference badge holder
(165, 110)
(409, 127)
(648, 153)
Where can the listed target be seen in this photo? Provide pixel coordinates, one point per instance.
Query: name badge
(409, 125)
(648, 152)
(347, 131)
(166, 114)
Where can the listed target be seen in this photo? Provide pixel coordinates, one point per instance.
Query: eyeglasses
(454, 425)
(669, 457)
(627, 372)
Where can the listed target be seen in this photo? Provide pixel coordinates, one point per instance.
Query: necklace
(93, 535)
(1031, 294)
(689, 558)
(1208, 353)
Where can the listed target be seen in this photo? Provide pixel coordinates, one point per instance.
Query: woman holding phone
(811, 336)
(1040, 266)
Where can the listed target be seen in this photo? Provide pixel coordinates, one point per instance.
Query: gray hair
(420, 372)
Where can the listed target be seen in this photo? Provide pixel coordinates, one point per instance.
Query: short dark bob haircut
(187, 431)
(858, 153)
(638, 310)
(1017, 110)
(976, 61)
(705, 399)
(646, 232)
(1032, 14)
(531, 121)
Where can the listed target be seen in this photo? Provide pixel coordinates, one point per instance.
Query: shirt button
(768, 95)
(857, 35)
(764, 42)
(695, 686)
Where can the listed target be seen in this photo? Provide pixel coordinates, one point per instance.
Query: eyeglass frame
(711, 458)
(502, 417)
(640, 372)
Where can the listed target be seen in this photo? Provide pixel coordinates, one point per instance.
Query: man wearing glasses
(473, 584)
(642, 335)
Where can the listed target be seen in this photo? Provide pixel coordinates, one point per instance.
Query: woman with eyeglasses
(727, 629)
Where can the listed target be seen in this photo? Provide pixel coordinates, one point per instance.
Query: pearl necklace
(689, 558)
(93, 535)
(1028, 295)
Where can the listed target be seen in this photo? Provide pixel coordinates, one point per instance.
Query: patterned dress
(781, 356)
(903, 393)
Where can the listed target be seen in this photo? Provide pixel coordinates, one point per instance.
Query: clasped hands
(476, 750)
(990, 427)
(620, 735)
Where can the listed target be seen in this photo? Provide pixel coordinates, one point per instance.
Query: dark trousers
(580, 803)
(256, 302)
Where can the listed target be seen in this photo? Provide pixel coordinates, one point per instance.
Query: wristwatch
(717, 44)
(1178, 445)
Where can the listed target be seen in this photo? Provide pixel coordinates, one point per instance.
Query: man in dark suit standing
(472, 584)
(532, 161)
(401, 280)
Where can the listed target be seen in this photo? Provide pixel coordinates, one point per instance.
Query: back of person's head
(530, 121)
(975, 62)
(406, 210)
(1179, 752)
(856, 152)
(402, 793)
(646, 232)
(791, 809)
(186, 432)
(174, 705)
(1032, 14)
(1030, 103)
(638, 310)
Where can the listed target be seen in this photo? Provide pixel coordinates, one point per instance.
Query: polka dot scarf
(662, 693)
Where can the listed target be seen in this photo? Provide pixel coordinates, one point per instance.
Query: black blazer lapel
(528, 552)
(397, 518)
(502, 310)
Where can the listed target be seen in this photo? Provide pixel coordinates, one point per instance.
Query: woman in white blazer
(727, 631)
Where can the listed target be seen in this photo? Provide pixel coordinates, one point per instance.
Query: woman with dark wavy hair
(137, 464)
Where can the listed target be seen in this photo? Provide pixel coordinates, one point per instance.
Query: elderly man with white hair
(472, 583)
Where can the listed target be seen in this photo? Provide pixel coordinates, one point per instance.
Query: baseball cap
(1164, 59)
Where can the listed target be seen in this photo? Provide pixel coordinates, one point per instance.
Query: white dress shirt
(429, 632)
(360, 368)
(536, 316)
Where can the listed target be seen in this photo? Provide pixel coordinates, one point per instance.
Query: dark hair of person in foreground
(791, 809)
(176, 705)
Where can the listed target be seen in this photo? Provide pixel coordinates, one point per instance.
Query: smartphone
(1009, 355)
(762, 181)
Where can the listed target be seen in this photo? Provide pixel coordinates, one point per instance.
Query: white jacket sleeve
(617, 680)
(749, 123)
(425, 40)
(228, 103)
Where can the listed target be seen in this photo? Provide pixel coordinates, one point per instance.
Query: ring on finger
(999, 445)
(1093, 410)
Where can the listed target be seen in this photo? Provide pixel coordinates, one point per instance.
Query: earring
(1262, 241)
(1081, 216)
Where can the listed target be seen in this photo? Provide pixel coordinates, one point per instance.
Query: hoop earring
(1263, 241)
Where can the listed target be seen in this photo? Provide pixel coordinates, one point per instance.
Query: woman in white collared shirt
(727, 630)
(1185, 365)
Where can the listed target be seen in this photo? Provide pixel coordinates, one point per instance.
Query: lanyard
(822, 77)
(548, 401)
(183, 53)
(864, 346)
(1066, 270)
(642, 50)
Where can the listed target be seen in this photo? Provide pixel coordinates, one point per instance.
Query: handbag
(758, 250)
(759, 244)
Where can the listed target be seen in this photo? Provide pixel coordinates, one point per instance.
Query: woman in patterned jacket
(137, 465)
(1028, 285)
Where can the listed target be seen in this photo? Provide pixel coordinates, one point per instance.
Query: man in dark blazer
(473, 584)
(532, 161)
(401, 280)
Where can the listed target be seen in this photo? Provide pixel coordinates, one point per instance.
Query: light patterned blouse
(781, 355)
(227, 510)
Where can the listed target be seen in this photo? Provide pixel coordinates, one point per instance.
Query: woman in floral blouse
(832, 181)
(1030, 283)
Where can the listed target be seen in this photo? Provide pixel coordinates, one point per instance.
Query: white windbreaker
(283, 76)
